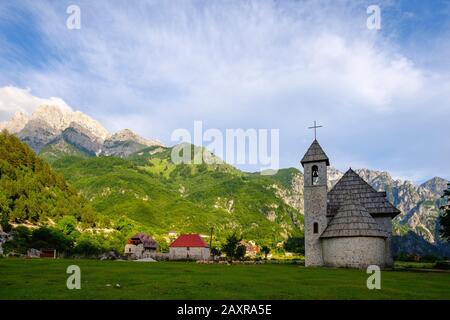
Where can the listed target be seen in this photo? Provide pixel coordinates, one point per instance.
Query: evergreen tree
(233, 248)
(266, 251)
(445, 216)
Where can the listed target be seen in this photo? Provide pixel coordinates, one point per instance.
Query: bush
(442, 264)
(295, 244)
(429, 258)
(50, 238)
(4, 223)
(87, 246)
(20, 241)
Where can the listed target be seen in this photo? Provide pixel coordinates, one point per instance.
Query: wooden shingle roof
(351, 185)
(315, 153)
(353, 220)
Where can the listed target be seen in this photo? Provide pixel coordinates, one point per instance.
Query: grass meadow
(46, 279)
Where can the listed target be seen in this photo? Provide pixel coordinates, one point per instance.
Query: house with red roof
(189, 246)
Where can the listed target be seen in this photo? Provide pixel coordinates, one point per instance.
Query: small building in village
(189, 246)
(140, 246)
(251, 248)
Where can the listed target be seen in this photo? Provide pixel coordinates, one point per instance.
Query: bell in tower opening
(315, 175)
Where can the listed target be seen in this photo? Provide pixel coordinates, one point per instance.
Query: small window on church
(316, 227)
(315, 175)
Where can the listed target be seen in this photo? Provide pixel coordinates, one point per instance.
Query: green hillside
(160, 196)
(30, 191)
(55, 151)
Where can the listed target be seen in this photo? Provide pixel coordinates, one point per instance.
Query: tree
(230, 246)
(20, 241)
(445, 216)
(4, 213)
(266, 251)
(240, 252)
(295, 244)
(49, 238)
(68, 226)
(215, 252)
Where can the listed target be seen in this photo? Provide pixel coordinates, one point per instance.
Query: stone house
(189, 246)
(251, 248)
(349, 226)
(140, 246)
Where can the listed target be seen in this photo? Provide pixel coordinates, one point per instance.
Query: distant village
(182, 247)
(142, 247)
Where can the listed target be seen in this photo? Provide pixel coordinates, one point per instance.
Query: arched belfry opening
(315, 175)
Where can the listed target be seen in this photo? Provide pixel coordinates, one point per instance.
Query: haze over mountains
(55, 133)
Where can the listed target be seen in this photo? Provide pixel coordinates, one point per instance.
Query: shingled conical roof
(353, 220)
(351, 184)
(315, 153)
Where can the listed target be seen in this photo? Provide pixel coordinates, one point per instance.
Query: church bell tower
(315, 163)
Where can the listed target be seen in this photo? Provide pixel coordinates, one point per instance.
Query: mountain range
(52, 129)
(122, 174)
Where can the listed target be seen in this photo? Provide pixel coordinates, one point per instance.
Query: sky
(382, 96)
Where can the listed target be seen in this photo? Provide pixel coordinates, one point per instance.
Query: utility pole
(210, 242)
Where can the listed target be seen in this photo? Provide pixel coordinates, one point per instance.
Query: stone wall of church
(386, 224)
(354, 252)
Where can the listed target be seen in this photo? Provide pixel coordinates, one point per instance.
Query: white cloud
(14, 99)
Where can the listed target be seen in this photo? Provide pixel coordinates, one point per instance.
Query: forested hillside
(30, 191)
(161, 196)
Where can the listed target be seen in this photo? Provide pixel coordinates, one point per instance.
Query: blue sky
(155, 66)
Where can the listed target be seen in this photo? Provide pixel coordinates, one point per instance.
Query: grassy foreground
(46, 279)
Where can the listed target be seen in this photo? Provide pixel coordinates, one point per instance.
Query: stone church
(348, 226)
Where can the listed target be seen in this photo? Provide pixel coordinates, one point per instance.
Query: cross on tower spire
(315, 127)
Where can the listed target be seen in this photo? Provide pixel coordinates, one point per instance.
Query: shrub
(295, 244)
(442, 264)
(20, 241)
(50, 238)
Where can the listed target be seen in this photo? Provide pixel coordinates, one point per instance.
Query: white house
(189, 246)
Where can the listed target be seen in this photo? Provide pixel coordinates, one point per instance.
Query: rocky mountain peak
(17, 122)
(128, 135)
(436, 185)
(55, 119)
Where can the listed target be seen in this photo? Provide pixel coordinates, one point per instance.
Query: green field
(46, 279)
